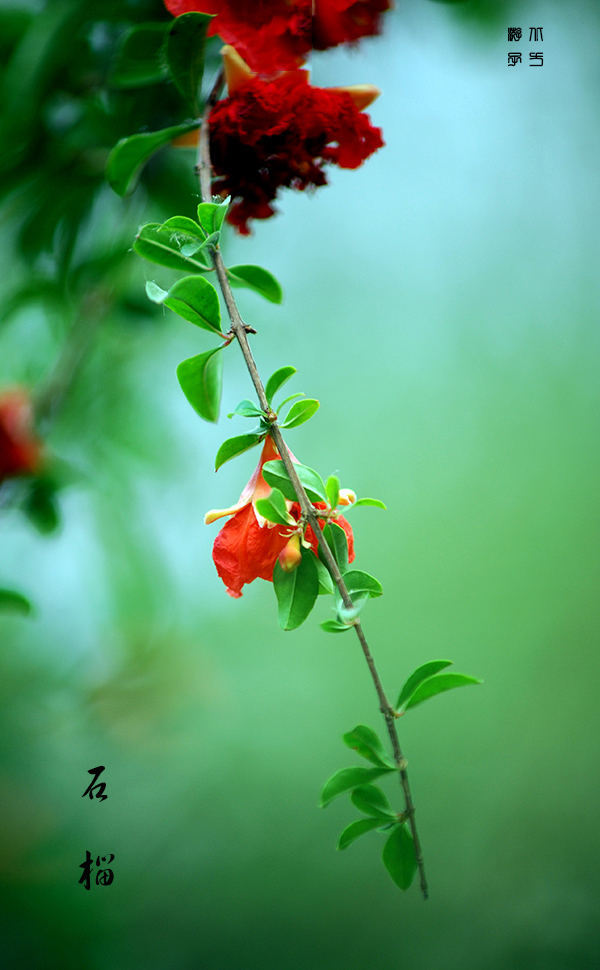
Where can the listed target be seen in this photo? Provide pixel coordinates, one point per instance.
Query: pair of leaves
(398, 855)
(426, 682)
(368, 745)
(150, 53)
(275, 474)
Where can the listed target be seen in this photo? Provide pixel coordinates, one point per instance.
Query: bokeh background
(441, 302)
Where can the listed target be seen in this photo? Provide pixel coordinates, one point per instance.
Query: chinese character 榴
(514, 58)
(515, 33)
(536, 57)
(535, 33)
(94, 783)
(104, 877)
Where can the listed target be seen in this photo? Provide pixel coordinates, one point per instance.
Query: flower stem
(238, 327)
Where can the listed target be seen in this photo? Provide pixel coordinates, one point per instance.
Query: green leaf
(274, 509)
(296, 591)
(201, 380)
(194, 299)
(247, 409)
(359, 582)
(292, 397)
(187, 227)
(212, 215)
(275, 474)
(399, 857)
(184, 52)
(128, 157)
(236, 446)
(367, 744)
(370, 501)
(332, 487)
(347, 614)
(258, 279)
(163, 246)
(348, 779)
(139, 61)
(277, 380)
(424, 672)
(334, 626)
(338, 543)
(356, 829)
(13, 602)
(300, 412)
(325, 580)
(371, 800)
(437, 685)
(40, 506)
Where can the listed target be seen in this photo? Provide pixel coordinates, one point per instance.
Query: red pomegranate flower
(271, 35)
(20, 449)
(346, 21)
(282, 132)
(276, 35)
(247, 547)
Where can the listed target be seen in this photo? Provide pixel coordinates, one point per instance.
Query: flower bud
(347, 497)
(291, 556)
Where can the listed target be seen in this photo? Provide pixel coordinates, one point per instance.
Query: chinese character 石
(104, 877)
(515, 33)
(535, 33)
(96, 772)
(536, 57)
(515, 58)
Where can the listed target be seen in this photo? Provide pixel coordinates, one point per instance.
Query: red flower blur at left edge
(20, 448)
(281, 132)
(248, 546)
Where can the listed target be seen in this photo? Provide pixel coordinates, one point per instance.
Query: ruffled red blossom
(271, 35)
(20, 449)
(276, 35)
(346, 21)
(282, 132)
(248, 546)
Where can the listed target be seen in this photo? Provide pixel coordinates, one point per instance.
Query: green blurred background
(442, 304)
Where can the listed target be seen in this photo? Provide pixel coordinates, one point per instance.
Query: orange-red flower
(281, 131)
(20, 448)
(248, 546)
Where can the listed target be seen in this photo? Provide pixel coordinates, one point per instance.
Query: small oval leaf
(347, 779)
(201, 380)
(332, 486)
(274, 509)
(375, 502)
(236, 446)
(275, 474)
(437, 685)
(296, 591)
(162, 246)
(300, 412)
(277, 380)
(258, 279)
(184, 52)
(356, 829)
(359, 582)
(368, 745)
(196, 300)
(399, 857)
(338, 543)
(371, 800)
(128, 157)
(334, 626)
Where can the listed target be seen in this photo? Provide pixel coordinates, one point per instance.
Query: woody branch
(204, 170)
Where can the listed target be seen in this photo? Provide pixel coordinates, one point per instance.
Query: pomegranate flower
(20, 449)
(276, 35)
(248, 546)
(282, 131)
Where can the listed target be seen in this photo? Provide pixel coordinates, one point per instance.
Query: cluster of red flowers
(281, 132)
(276, 35)
(247, 547)
(20, 449)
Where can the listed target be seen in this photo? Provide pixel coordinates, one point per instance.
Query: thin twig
(204, 170)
